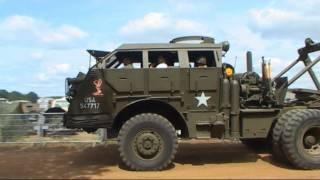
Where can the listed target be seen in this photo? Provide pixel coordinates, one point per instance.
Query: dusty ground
(79, 136)
(194, 160)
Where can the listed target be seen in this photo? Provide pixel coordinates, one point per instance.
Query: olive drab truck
(150, 95)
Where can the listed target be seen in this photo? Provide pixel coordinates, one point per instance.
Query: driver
(127, 63)
(202, 62)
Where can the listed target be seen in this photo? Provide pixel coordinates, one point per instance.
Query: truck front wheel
(147, 142)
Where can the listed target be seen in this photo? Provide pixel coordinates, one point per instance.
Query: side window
(201, 59)
(163, 59)
(126, 60)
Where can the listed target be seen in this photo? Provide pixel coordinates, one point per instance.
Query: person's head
(126, 61)
(202, 62)
(161, 60)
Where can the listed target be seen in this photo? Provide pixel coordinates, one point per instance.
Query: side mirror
(225, 46)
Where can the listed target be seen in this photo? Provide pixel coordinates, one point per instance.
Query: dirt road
(194, 160)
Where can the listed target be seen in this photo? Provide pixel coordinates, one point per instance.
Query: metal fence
(42, 128)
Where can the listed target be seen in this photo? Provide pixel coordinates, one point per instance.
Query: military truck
(150, 95)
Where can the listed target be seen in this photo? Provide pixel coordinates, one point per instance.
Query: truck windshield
(99, 56)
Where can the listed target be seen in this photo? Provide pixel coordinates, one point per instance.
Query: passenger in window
(127, 63)
(202, 62)
(162, 62)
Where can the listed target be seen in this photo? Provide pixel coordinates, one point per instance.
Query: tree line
(15, 95)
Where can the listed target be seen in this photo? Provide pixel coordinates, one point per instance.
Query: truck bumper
(87, 120)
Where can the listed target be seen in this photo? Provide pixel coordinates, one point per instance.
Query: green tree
(15, 95)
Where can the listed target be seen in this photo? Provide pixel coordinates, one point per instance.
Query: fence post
(40, 130)
(102, 135)
(1, 127)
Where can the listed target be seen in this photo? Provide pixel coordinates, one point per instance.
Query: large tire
(301, 138)
(277, 131)
(147, 142)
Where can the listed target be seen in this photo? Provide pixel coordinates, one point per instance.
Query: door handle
(203, 77)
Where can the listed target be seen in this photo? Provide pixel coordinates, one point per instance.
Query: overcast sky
(44, 41)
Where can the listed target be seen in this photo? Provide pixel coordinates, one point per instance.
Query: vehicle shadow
(261, 147)
(214, 153)
(276, 162)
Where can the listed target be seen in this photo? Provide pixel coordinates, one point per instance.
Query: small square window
(163, 59)
(201, 59)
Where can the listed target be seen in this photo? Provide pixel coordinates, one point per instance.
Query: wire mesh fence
(42, 128)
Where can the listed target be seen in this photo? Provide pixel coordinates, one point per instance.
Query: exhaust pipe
(268, 93)
(266, 70)
(249, 61)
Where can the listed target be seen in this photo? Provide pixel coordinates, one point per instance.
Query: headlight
(66, 86)
(67, 89)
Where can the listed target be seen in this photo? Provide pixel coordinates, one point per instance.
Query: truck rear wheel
(147, 142)
(277, 131)
(301, 138)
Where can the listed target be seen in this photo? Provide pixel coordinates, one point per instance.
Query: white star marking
(202, 100)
